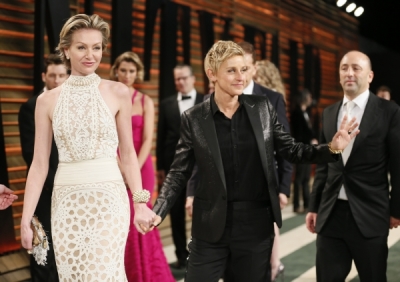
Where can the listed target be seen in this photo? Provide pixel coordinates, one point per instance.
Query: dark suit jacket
(26, 121)
(198, 143)
(365, 174)
(300, 128)
(169, 121)
(284, 168)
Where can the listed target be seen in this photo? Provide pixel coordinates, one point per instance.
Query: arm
(180, 171)
(129, 163)
(284, 167)
(148, 130)
(40, 163)
(26, 123)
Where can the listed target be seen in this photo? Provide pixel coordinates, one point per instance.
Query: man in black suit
(168, 130)
(55, 73)
(232, 138)
(351, 207)
(302, 131)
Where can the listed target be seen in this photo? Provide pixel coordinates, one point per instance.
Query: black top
(240, 156)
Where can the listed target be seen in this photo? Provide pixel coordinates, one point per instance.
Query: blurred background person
(54, 74)
(144, 255)
(302, 131)
(267, 75)
(384, 92)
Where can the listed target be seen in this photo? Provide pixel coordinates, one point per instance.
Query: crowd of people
(224, 158)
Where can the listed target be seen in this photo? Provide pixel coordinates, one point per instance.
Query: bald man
(351, 207)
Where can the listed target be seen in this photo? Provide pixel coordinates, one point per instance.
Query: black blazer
(365, 175)
(284, 168)
(198, 143)
(26, 121)
(169, 121)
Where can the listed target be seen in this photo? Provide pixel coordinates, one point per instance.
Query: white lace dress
(90, 209)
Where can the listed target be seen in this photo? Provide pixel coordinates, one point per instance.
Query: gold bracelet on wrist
(333, 151)
(141, 196)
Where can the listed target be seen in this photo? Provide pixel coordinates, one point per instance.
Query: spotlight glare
(340, 3)
(359, 11)
(351, 8)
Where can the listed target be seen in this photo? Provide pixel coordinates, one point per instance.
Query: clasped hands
(145, 219)
(346, 132)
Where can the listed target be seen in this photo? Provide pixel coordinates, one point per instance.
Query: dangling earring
(67, 56)
(116, 75)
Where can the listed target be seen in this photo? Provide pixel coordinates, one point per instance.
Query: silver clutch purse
(40, 245)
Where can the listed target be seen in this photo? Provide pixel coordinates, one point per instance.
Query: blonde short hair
(129, 57)
(268, 75)
(77, 22)
(219, 53)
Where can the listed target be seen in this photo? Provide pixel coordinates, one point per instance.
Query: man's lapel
(211, 137)
(369, 118)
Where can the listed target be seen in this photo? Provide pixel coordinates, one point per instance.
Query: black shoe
(178, 270)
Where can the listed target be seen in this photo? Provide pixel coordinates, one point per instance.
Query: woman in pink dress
(144, 256)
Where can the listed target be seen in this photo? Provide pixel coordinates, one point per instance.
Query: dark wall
(385, 64)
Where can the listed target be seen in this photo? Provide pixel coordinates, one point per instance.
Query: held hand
(189, 205)
(6, 197)
(394, 222)
(144, 218)
(345, 133)
(282, 200)
(156, 222)
(311, 220)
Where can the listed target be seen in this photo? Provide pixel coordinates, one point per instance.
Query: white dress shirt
(187, 103)
(358, 111)
(249, 88)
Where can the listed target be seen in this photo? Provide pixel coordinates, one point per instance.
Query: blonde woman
(232, 137)
(144, 255)
(90, 117)
(268, 75)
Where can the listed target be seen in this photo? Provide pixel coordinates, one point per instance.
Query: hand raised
(347, 131)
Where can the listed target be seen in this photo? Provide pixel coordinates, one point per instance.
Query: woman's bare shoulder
(117, 88)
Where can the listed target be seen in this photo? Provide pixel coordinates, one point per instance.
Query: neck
(131, 88)
(352, 96)
(226, 103)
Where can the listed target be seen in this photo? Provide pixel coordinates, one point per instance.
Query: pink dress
(144, 256)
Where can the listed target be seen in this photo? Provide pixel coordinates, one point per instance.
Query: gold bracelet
(141, 196)
(333, 151)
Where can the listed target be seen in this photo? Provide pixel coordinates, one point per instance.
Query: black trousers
(301, 182)
(178, 225)
(340, 241)
(48, 272)
(244, 250)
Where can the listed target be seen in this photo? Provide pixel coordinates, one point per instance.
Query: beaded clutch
(40, 245)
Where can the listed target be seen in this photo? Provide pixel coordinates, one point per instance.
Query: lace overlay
(90, 208)
(82, 123)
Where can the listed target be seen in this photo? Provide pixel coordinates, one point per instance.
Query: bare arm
(40, 164)
(148, 130)
(129, 162)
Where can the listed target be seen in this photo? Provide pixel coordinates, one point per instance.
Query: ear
(370, 76)
(211, 76)
(44, 77)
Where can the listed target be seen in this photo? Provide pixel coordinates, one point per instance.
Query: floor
(297, 251)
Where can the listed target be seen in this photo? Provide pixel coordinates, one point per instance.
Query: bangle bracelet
(333, 151)
(141, 196)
